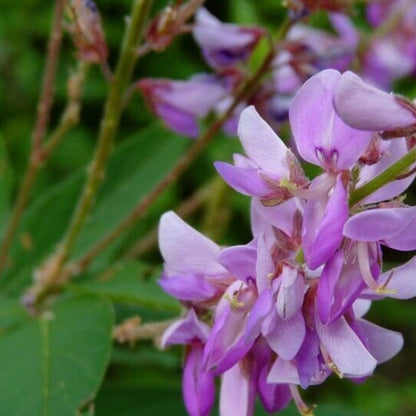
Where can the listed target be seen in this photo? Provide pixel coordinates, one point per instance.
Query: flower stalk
(390, 174)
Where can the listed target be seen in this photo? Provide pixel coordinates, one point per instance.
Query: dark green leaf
(54, 364)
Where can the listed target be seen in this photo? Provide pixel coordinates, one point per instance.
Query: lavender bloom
(270, 164)
(192, 272)
(241, 383)
(224, 45)
(197, 384)
(181, 103)
(287, 308)
(349, 346)
(321, 137)
(393, 227)
(393, 54)
(365, 107)
(309, 50)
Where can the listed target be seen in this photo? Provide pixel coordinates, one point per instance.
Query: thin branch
(48, 84)
(132, 330)
(42, 119)
(70, 115)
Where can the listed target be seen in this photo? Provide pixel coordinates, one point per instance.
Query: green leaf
(5, 184)
(133, 401)
(11, 312)
(126, 284)
(54, 364)
(139, 166)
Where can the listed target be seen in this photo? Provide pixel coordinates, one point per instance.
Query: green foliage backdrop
(58, 362)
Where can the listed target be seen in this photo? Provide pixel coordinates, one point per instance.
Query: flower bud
(87, 31)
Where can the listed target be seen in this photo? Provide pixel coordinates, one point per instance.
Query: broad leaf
(5, 184)
(53, 365)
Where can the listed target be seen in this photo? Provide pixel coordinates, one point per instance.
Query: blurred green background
(140, 379)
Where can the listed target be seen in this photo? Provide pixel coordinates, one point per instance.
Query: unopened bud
(87, 32)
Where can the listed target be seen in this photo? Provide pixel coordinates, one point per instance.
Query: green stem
(108, 128)
(389, 175)
(70, 116)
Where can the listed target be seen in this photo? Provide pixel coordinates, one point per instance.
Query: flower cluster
(286, 309)
(382, 58)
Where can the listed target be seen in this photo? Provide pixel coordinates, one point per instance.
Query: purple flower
(181, 103)
(325, 214)
(222, 44)
(192, 272)
(321, 137)
(197, 384)
(393, 227)
(343, 278)
(349, 346)
(269, 166)
(241, 383)
(399, 282)
(392, 54)
(365, 107)
(309, 50)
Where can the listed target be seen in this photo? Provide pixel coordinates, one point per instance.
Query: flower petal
(321, 136)
(287, 336)
(187, 287)
(260, 310)
(327, 283)
(382, 343)
(323, 224)
(397, 149)
(237, 396)
(178, 120)
(185, 249)
(185, 330)
(244, 180)
(400, 281)
(365, 107)
(345, 348)
(291, 292)
(262, 145)
(198, 386)
(380, 224)
(240, 261)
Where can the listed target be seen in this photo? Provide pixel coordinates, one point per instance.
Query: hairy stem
(132, 330)
(70, 115)
(108, 128)
(390, 174)
(43, 112)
